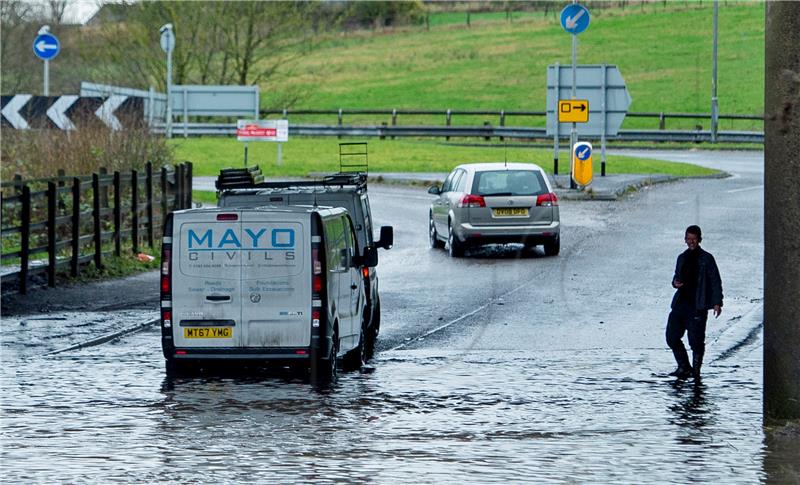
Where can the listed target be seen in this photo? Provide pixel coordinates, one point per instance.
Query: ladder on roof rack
(251, 178)
(230, 178)
(353, 157)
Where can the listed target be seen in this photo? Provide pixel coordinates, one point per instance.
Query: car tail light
(470, 200)
(365, 272)
(547, 200)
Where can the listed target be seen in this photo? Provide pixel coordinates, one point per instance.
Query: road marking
(462, 317)
(754, 187)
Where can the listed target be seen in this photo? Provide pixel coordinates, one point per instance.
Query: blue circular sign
(46, 46)
(575, 18)
(583, 152)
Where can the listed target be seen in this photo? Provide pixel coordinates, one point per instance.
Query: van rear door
(276, 279)
(206, 281)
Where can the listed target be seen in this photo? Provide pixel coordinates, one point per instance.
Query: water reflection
(690, 410)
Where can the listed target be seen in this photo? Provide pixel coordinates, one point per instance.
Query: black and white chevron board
(70, 112)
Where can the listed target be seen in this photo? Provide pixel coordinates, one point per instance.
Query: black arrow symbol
(582, 107)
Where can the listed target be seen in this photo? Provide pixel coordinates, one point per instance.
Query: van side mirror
(387, 238)
(434, 190)
(369, 258)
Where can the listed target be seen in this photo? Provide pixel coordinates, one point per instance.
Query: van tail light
(365, 272)
(227, 217)
(316, 283)
(166, 265)
(315, 314)
(470, 200)
(166, 318)
(547, 200)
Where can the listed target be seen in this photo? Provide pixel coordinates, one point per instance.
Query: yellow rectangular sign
(573, 111)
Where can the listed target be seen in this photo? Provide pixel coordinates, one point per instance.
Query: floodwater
(415, 415)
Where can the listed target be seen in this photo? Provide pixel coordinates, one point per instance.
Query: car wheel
(435, 242)
(373, 330)
(323, 370)
(354, 359)
(455, 247)
(552, 248)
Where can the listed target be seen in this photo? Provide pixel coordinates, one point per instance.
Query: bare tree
(57, 9)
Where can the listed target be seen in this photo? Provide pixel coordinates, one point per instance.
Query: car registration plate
(208, 332)
(510, 211)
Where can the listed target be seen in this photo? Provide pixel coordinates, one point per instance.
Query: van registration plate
(208, 332)
(510, 211)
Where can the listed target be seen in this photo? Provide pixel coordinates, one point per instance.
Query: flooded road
(108, 413)
(496, 368)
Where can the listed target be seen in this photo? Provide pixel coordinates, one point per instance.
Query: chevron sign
(24, 111)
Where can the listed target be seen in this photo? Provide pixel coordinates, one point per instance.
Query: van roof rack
(251, 178)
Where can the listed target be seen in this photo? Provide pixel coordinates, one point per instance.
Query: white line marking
(754, 187)
(462, 317)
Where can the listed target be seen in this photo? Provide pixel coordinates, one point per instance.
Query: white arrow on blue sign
(575, 18)
(583, 152)
(46, 46)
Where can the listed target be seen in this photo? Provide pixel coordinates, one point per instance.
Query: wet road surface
(500, 367)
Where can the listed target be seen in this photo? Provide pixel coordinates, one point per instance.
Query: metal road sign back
(606, 94)
(573, 111)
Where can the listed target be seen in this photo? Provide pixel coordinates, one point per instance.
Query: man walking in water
(699, 289)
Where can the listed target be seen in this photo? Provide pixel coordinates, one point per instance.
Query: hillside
(663, 51)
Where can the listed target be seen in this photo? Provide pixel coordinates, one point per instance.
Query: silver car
(483, 203)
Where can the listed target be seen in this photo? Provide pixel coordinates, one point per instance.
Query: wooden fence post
(178, 187)
(51, 234)
(18, 183)
(164, 208)
(25, 239)
(187, 185)
(117, 214)
(62, 206)
(104, 189)
(149, 196)
(135, 211)
(98, 234)
(76, 226)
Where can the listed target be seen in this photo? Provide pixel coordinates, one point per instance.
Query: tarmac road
(498, 367)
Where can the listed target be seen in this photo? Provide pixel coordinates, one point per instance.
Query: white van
(265, 283)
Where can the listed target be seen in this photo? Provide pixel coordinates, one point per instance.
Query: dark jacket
(709, 283)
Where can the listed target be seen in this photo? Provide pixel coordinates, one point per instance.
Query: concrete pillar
(782, 212)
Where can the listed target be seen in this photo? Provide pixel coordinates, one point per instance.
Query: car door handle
(353, 287)
(218, 298)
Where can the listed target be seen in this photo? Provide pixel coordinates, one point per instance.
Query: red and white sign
(262, 130)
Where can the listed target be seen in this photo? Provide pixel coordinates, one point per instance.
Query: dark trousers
(685, 319)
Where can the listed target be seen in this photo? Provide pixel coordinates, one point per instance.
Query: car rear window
(509, 182)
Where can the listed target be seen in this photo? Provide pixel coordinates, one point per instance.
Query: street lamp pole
(168, 45)
(714, 107)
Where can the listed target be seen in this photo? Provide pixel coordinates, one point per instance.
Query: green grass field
(663, 52)
(662, 49)
(302, 156)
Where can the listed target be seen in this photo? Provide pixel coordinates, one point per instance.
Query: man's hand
(717, 311)
(676, 283)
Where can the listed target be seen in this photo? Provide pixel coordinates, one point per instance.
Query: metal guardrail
(486, 131)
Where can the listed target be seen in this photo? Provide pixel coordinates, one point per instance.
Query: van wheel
(455, 247)
(354, 359)
(435, 242)
(176, 368)
(373, 330)
(323, 370)
(552, 248)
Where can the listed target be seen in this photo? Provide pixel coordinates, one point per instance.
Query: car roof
(491, 166)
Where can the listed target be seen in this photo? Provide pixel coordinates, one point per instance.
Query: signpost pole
(604, 92)
(245, 154)
(168, 45)
(573, 136)
(280, 154)
(557, 124)
(46, 77)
